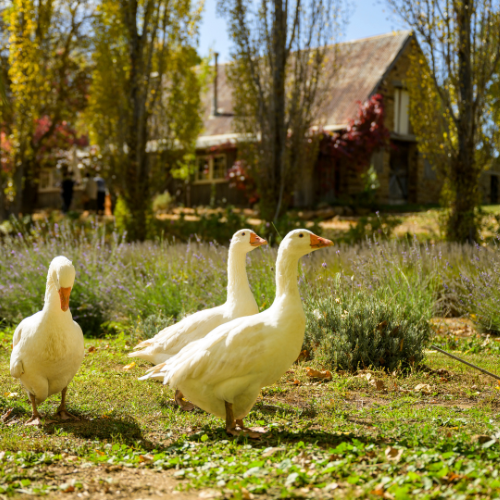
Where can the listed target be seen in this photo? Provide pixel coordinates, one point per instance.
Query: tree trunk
(462, 223)
(137, 181)
(273, 205)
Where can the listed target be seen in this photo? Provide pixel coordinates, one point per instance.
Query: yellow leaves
(11, 395)
(91, 349)
(323, 375)
(129, 367)
(303, 356)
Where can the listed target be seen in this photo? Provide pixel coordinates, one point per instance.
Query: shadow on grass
(275, 437)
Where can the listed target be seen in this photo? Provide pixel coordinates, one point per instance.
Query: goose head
(61, 276)
(300, 242)
(246, 240)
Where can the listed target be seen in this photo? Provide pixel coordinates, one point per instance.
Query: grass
(349, 437)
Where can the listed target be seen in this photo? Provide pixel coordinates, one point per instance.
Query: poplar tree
(283, 66)
(450, 85)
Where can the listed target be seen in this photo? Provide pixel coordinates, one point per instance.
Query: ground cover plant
(431, 433)
(398, 429)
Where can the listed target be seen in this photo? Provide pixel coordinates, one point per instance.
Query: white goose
(240, 302)
(224, 372)
(48, 346)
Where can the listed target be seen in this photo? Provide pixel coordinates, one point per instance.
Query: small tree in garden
(282, 71)
(47, 85)
(145, 94)
(450, 88)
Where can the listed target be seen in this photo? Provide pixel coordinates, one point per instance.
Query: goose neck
(52, 304)
(237, 279)
(286, 276)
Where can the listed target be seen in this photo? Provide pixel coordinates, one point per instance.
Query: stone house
(375, 65)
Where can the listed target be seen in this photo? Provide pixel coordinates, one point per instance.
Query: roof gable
(363, 65)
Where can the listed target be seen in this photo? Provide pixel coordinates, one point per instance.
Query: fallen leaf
(378, 492)
(11, 394)
(67, 488)
(381, 326)
(246, 494)
(290, 371)
(91, 349)
(99, 452)
(423, 388)
(393, 454)
(129, 367)
(7, 414)
(303, 356)
(269, 452)
(146, 458)
(312, 373)
(454, 477)
(296, 382)
(377, 383)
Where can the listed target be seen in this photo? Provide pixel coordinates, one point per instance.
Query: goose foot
(231, 424)
(254, 430)
(63, 414)
(244, 432)
(182, 403)
(34, 420)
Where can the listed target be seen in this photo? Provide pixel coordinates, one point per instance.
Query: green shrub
(380, 227)
(162, 202)
(353, 329)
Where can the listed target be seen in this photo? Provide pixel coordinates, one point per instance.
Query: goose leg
(184, 405)
(62, 413)
(231, 424)
(36, 418)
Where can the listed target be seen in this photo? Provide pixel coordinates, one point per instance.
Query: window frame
(210, 160)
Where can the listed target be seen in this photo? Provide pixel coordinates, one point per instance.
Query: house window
(401, 115)
(211, 169)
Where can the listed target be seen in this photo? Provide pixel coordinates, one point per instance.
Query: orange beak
(64, 294)
(318, 242)
(257, 241)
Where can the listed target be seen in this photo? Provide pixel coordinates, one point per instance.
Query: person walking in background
(101, 193)
(67, 186)
(90, 193)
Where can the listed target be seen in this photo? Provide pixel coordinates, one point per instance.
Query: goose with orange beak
(224, 372)
(240, 302)
(48, 346)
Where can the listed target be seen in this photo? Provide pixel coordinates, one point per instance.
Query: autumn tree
(47, 81)
(145, 94)
(450, 86)
(282, 69)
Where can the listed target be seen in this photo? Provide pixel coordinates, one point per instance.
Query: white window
(211, 169)
(401, 115)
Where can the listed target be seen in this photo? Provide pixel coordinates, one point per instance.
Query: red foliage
(239, 178)
(363, 136)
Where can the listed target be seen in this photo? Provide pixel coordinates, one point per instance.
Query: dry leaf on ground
(303, 356)
(129, 367)
(423, 388)
(393, 454)
(324, 375)
(91, 349)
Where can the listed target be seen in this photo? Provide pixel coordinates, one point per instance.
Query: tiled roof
(363, 64)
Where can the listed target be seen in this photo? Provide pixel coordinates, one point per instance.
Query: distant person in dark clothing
(67, 186)
(90, 193)
(101, 194)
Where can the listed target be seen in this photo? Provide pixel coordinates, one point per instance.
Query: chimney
(216, 76)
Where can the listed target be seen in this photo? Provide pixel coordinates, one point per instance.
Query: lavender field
(138, 288)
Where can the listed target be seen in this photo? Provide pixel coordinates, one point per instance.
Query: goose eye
(242, 234)
(301, 235)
